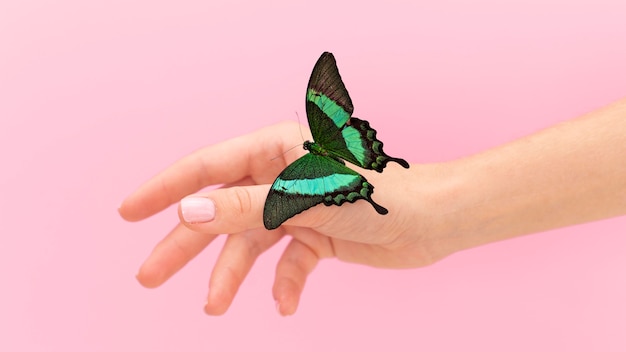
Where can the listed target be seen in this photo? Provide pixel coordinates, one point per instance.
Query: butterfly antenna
(285, 152)
(300, 126)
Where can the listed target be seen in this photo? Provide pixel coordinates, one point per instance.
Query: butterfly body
(317, 149)
(321, 176)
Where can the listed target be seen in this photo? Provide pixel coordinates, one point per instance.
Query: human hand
(247, 166)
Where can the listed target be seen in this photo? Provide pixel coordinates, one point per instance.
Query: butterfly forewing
(327, 91)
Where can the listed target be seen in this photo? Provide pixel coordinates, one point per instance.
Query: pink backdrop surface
(98, 96)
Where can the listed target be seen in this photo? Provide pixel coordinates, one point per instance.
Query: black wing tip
(269, 225)
(402, 162)
(379, 208)
(383, 164)
(268, 221)
(326, 56)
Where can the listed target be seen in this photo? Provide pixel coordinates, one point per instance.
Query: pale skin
(568, 174)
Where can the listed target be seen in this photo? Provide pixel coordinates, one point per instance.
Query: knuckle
(242, 201)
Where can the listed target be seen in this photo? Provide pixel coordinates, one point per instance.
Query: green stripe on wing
(334, 111)
(317, 186)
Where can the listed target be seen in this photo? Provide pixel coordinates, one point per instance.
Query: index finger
(225, 162)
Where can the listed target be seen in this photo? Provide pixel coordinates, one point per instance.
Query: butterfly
(321, 176)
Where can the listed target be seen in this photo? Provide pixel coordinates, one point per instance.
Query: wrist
(432, 221)
(461, 208)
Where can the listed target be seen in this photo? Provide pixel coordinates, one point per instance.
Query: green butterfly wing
(311, 180)
(329, 112)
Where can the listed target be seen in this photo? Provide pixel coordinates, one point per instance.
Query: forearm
(571, 173)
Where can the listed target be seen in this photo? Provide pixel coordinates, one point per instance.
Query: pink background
(98, 96)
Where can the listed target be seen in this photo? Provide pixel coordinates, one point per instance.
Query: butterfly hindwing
(329, 110)
(311, 180)
(362, 144)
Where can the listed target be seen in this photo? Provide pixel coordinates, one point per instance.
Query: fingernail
(277, 304)
(197, 209)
